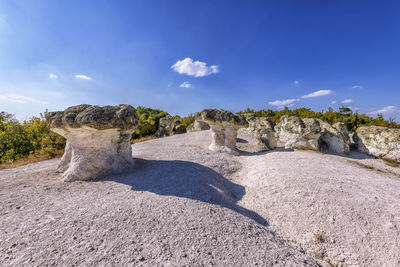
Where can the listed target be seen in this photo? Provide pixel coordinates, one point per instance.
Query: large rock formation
(380, 142)
(224, 125)
(98, 139)
(263, 129)
(165, 126)
(197, 126)
(313, 134)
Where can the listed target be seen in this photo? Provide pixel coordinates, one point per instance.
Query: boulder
(98, 139)
(263, 129)
(197, 126)
(381, 142)
(166, 126)
(312, 134)
(224, 125)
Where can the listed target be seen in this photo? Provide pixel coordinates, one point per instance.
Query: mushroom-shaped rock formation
(381, 142)
(98, 139)
(224, 125)
(313, 134)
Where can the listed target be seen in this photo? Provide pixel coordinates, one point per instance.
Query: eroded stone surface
(263, 129)
(381, 142)
(165, 126)
(197, 126)
(224, 125)
(313, 134)
(98, 139)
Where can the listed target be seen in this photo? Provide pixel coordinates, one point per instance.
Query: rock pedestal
(98, 140)
(224, 126)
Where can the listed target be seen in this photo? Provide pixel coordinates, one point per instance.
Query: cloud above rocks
(52, 76)
(318, 93)
(384, 110)
(21, 99)
(283, 103)
(347, 101)
(83, 77)
(296, 82)
(186, 85)
(357, 87)
(194, 68)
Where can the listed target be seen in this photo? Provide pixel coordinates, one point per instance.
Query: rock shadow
(186, 180)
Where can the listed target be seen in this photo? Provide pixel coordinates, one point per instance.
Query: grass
(33, 158)
(390, 162)
(362, 165)
(319, 237)
(143, 139)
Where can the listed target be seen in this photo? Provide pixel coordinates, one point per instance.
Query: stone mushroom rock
(312, 134)
(224, 125)
(263, 129)
(380, 142)
(197, 126)
(165, 126)
(98, 139)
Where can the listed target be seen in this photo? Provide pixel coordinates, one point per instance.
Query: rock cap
(223, 118)
(122, 116)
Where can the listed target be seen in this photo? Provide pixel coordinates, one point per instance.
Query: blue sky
(183, 56)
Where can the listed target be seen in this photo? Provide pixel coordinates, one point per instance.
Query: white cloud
(296, 82)
(318, 93)
(83, 77)
(21, 99)
(333, 102)
(194, 68)
(347, 101)
(52, 76)
(186, 85)
(283, 103)
(388, 109)
(357, 86)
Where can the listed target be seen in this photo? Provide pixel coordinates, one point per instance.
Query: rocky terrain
(185, 205)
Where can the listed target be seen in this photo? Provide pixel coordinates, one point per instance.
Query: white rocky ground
(188, 206)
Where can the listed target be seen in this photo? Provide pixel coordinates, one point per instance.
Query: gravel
(183, 205)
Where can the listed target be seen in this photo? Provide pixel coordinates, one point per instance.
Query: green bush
(19, 140)
(148, 121)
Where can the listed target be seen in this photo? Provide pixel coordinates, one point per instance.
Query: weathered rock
(98, 139)
(263, 129)
(313, 134)
(224, 125)
(197, 126)
(165, 126)
(381, 142)
(177, 126)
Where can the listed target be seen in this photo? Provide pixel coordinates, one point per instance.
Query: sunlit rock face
(197, 126)
(98, 140)
(381, 142)
(224, 125)
(263, 129)
(313, 134)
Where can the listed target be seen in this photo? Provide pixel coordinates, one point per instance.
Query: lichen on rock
(381, 142)
(98, 139)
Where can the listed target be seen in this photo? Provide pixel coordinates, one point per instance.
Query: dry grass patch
(33, 158)
(143, 139)
(319, 237)
(391, 163)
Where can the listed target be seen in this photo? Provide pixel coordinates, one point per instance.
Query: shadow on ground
(187, 180)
